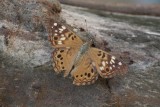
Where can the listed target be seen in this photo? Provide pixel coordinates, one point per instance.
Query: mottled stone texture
(26, 75)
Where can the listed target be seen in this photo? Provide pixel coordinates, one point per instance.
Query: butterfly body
(83, 49)
(76, 57)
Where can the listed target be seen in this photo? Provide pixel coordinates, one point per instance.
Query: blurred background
(138, 7)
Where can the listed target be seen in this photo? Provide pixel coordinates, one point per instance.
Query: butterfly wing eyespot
(84, 73)
(107, 65)
(61, 36)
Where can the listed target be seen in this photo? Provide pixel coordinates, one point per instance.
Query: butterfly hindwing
(84, 72)
(63, 59)
(107, 65)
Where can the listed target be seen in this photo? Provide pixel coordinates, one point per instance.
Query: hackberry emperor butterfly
(84, 63)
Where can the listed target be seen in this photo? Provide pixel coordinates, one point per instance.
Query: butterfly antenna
(86, 25)
(89, 36)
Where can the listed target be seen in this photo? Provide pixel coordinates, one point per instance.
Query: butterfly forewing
(60, 36)
(107, 65)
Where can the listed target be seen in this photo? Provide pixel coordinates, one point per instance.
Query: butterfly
(76, 57)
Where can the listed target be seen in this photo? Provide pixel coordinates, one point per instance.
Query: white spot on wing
(63, 38)
(113, 57)
(101, 68)
(60, 29)
(120, 63)
(110, 68)
(62, 35)
(63, 27)
(103, 63)
(112, 60)
(55, 24)
(59, 42)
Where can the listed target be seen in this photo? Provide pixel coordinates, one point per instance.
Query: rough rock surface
(26, 75)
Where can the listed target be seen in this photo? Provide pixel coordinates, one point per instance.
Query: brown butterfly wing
(60, 36)
(106, 64)
(63, 60)
(84, 72)
(67, 45)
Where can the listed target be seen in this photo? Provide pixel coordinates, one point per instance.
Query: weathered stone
(26, 74)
